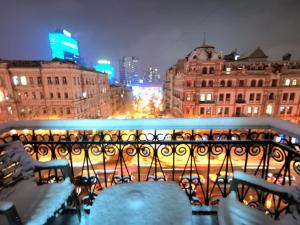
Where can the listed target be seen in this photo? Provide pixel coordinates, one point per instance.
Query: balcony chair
(233, 212)
(22, 201)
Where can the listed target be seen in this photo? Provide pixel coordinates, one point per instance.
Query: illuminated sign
(104, 66)
(63, 46)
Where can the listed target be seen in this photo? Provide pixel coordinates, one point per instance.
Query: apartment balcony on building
(199, 155)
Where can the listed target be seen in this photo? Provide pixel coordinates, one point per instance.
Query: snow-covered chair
(22, 201)
(232, 212)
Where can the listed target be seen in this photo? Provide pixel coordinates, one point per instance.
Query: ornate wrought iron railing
(200, 160)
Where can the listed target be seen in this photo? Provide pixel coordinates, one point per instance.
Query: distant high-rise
(104, 66)
(129, 70)
(63, 46)
(152, 75)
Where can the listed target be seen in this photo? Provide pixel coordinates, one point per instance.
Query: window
(292, 96)
(203, 83)
(51, 95)
(211, 70)
(15, 80)
(222, 83)
(282, 109)
(255, 110)
(39, 81)
(23, 80)
(188, 97)
(202, 97)
(58, 95)
(221, 97)
(26, 94)
(240, 97)
(274, 83)
(204, 70)
(287, 82)
(45, 111)
(289, 110)
(208, 97)
(202, 110)
(253, 83)
(42, 95)
(269, 110)
(258, 97)
(188, 83)
(66, 95)
(210, 83)
(208, 110)
(61, 111)
(226, 111)
(56, 80)
(68, 111)
(220, 110)
(33, 95)
(31, 80)
(294, 82)
(249, 110)
(229, 83)
(227, 97)
(49, 80)
(271, 96)
(64, 80)
(251, 97)
(260, 83)
(241, 83)
(285, 97)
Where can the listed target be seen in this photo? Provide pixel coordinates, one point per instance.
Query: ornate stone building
(205, 85)
(121, 99)
(51, 90)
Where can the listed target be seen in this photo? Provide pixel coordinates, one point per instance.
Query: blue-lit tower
(63, 46)
(104, 66)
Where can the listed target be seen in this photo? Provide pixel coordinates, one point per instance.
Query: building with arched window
(251, 86)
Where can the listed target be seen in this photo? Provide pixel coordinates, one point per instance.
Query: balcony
(200, 155)
(240, 101)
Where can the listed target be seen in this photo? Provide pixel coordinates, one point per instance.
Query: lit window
(208, 97)
(249, 110)
(289, 110)
(202, 97)
(15, 80)
(228, 69)
(208, 110)
(23, 80)
(269, 109)
(9, 109)
(1, 96)
(282, 109)
(294, 82)
(287, 82)
(219, 111)
(255, 110)
(84, 94)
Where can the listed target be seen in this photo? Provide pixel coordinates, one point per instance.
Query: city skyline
(155, 37)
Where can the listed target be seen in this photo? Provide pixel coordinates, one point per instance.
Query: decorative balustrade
(199, 154)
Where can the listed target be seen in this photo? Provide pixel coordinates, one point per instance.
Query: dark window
(51, 95)
(292, 96)
(49, 80)
(68, 111)
(222, 83)
(66, 95)
(260, 83)
(253, 83)
(31, 80)
(56, 80)
(240, 97)
(251, 98)
(241, 83)
(202, 109)
(210, 83)
(203, 83)
(274, 83)
(39, 80)
(64, 80)
(45, 111)
(271, 96)
(227, 97)
(289, 110)
(204, 70)
(211, 70)
(258, 96)
(58, 95)
(285, 96)
(189, 83)
(226, 111)
(229, 83)
(221, 97)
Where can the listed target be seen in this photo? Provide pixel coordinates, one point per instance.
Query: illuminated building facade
(55, 89)
(63, 46)
(104, 66)
(129, 71)
(152, 75)
(121, 98)
(205, 85)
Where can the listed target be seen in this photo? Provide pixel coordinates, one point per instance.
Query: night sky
(156, 31)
